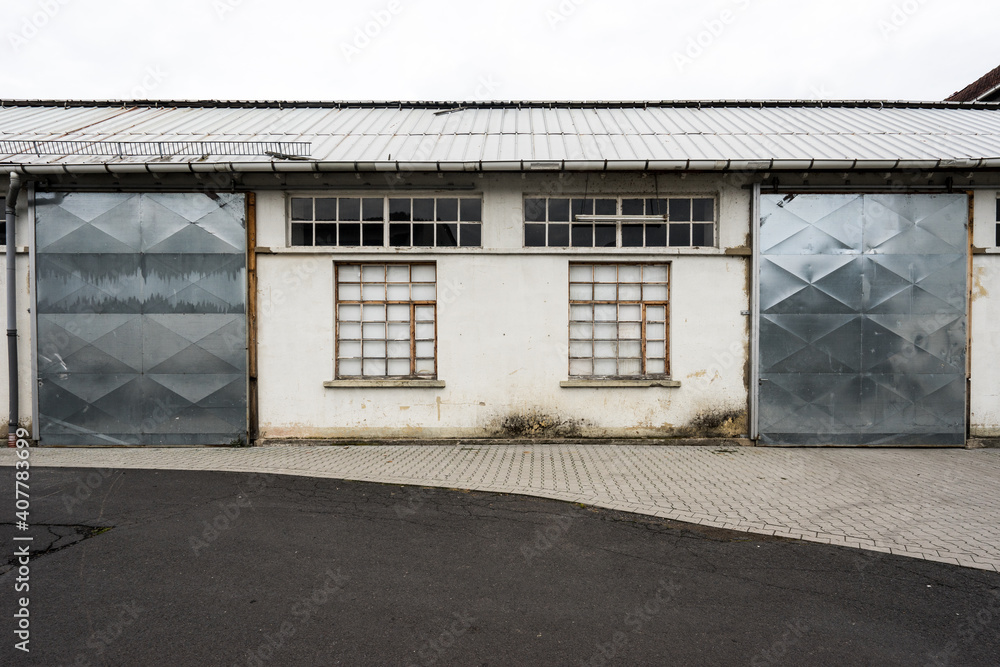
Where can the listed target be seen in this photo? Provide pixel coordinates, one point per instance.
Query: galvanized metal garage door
(863, 319)
(141, 312)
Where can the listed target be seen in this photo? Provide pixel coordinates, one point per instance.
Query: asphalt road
(141, 567)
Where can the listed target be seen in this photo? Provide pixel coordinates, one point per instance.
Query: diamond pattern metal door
(862, 319)
(141, 314)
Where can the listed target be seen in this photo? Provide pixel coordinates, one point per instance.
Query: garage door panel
(141, 347)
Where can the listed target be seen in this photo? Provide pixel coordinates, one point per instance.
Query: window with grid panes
(390, 221)
(386, 321)
(619, 222)
(618, 320)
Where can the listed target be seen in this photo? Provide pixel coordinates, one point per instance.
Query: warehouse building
(796, 273)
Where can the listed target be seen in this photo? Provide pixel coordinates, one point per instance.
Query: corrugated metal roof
(509, 135)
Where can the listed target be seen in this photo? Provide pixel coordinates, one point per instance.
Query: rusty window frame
(620, 218)
(654, 313)
(414, 334)
(467, 232)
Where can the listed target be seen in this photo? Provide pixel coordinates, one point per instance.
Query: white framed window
(606, 221)
(386, 320)
(385, 221)
(618, 320)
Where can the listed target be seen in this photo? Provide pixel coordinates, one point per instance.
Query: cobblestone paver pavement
(936, 504)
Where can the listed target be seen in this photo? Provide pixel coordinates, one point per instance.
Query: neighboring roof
(984, 89)
(405, 136)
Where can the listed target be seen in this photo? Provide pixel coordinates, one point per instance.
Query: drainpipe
(13, 191)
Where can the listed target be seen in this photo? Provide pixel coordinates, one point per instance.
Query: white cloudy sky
(494, 49)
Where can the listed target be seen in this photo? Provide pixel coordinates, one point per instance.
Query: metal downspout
(13, 191)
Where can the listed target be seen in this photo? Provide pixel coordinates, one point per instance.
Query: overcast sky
(495, 49)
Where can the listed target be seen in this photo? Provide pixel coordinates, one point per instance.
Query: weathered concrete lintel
(375, 384)
(619, 383)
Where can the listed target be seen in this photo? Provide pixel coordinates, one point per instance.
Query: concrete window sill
(375, 384)
(570, 384)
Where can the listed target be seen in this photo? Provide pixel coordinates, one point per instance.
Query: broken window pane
(447, 235)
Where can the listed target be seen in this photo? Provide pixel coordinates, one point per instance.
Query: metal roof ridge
(458, 105)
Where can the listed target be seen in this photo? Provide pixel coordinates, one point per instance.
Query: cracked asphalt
(164, 567)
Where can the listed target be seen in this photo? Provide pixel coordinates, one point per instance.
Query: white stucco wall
(503, 328)
(985, 320)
